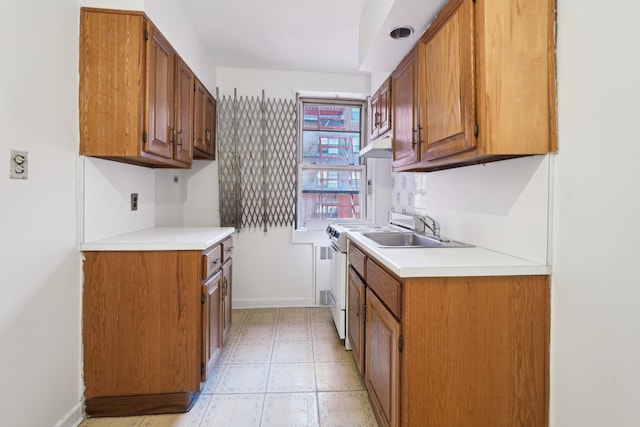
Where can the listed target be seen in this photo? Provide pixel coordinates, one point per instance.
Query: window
(330, 173)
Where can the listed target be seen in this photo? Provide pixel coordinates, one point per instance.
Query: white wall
(42, 218)
(595, 379)
(39, 260)
(285, 84)
(270, 270)
(106, 198)
(502, 206)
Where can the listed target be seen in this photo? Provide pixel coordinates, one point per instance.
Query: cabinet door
(204, 123)
(382, 355)
(161, 80)
(183, 147)
(211, 339)
(374, 111)
(405, 99)
(225, 300)
(449, 103)
(356, 296)
(200, 99)
(210, 126)
(384, 107)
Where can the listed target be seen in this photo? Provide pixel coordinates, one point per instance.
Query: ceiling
(343, 36)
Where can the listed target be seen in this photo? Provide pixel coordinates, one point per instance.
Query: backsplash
(408, 193)
(502, 206)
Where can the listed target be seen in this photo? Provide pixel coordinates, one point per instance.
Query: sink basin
(410, 240)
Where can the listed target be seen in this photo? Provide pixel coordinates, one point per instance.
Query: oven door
(338, 288)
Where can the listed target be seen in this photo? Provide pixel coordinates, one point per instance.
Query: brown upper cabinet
(137, 96)
(204, 144)
(380, 110)
(486, 84)
(407, 128)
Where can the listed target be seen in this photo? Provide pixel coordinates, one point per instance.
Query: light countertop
(448, 262)
(162, 239)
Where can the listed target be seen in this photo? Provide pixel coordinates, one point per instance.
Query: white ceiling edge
(383, 53)
(372, 19)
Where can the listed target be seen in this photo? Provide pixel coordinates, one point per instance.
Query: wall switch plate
(19, 165)
(134, 201)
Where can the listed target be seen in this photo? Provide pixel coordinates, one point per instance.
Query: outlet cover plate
(19, 165)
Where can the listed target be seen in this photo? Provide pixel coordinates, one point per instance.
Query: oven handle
(335, 248)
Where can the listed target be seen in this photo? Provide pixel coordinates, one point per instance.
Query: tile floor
(281, 367)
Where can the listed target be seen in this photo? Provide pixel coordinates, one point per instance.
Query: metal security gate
(257, 167)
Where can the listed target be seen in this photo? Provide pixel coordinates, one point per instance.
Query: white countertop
(162, 239)
(448, 262)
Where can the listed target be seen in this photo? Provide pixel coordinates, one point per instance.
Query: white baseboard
(73, 417)
(264, 303)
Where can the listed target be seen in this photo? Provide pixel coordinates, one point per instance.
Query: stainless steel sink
(410, 240)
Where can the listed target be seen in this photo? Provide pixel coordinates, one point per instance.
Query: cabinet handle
(207, 135)
(229, 249)
(224, 287)
(172, 135)
(358, 305)
(215, 261)
(180, 138)
(420, 135)
(413, 138)
(376, 120)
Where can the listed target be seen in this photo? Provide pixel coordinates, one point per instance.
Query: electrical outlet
(19, 165)
(134, 201)
(176, 179)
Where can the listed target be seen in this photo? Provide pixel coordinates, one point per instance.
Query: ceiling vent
(401, 33)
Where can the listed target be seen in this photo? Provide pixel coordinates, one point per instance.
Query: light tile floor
(282, 367)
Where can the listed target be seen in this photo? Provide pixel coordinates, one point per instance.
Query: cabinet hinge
(475, 128)
(203, 299)
(146, 35)
(144, 136)
(400, 343)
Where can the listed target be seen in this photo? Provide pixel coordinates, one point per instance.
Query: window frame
(321, 223)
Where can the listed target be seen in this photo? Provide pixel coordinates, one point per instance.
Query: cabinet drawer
(358, 260)
(385, 287)
(211, 261)
(227, 249)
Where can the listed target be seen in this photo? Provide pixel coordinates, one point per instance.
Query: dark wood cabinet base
(139, 405)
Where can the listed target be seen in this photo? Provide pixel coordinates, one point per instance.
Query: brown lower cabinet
(454, 351)
(153, 324)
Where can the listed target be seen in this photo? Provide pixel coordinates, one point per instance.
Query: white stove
(338, 233)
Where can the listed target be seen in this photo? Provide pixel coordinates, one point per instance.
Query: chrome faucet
(434, 227)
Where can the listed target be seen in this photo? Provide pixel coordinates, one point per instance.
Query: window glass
(330, 173)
